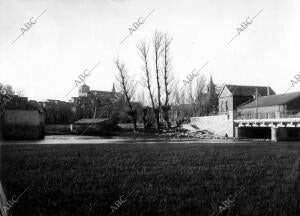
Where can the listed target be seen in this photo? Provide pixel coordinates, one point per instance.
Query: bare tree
(190, 94)
(6, 89)
(192, 99)
(179, 96)
(143, 50)
(162, 67)
(127, 87)
(141, 98)
(196, 97)
(6, 95)
(179, 100)
(20, 93)
(167, 78)
(157, 44)
(200, 95)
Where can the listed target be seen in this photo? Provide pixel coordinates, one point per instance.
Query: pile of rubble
(189, 131)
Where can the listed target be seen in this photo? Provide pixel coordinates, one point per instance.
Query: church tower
(83, 90)
(211, 88)
(212, 97)
(113, 88)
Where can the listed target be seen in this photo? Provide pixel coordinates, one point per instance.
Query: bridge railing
(290, 114)
(270, 115)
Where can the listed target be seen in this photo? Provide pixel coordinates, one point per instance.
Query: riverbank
(126, 130)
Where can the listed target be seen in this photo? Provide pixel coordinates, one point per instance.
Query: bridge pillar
(274, 134)
(236, 132)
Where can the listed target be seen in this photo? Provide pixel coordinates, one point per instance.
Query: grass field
(162, 179)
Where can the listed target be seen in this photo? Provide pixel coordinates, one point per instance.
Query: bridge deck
(279, 122)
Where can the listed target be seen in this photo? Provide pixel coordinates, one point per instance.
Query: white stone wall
(219, 124)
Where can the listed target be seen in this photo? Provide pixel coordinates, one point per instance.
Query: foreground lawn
(155, 179)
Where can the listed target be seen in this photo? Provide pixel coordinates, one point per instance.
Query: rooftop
(239, 90)
(272, 100)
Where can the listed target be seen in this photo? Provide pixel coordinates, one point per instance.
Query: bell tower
(83, 90)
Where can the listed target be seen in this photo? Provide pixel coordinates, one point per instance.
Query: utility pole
(256, 98)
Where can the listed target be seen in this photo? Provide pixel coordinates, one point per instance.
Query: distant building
(231, 96)
(83, 90)
(89, 104)
(271, 107)
(95, 104)
(99, 126)
(102, 97)
(22, 119)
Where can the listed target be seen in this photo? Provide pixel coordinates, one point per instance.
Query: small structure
(276, 117)
(22, 120)
(100, 126)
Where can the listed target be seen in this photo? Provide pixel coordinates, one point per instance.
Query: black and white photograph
(149, 108)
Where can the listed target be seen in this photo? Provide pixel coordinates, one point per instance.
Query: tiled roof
(238, 90)
(272, 100)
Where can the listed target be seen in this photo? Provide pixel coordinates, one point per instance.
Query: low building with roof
(98, 126)
(273, 106)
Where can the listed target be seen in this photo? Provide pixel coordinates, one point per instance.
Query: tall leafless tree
(157, 45)
(191, 96)
(164, 81)
(127, 87)
(143, 50)
(167, 77)
(196, 97)
(179, 95)
(179, 100)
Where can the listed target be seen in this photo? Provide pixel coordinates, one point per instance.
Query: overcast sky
(74, 35)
